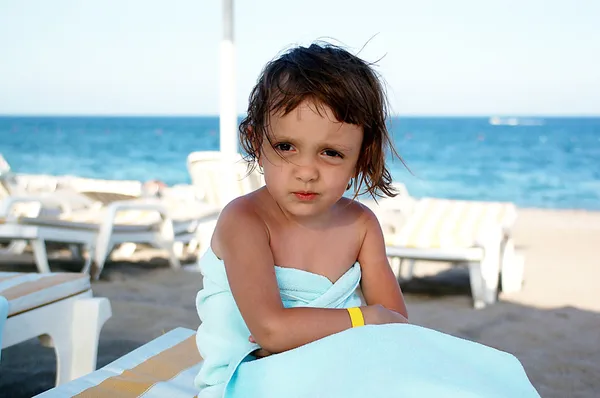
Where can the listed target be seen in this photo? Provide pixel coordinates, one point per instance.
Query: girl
(286, 260)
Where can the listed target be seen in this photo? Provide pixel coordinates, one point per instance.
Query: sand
(552, 325)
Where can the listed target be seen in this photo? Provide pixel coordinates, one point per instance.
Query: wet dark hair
(330, 76)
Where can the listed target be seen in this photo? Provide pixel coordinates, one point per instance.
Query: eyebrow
(340, 147)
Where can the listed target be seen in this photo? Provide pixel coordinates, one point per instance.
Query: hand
(379, 315)
(261, 352)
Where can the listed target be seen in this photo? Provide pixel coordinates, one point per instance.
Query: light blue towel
(371, 361)
(3, 316)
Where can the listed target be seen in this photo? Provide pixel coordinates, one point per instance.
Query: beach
(552, 325)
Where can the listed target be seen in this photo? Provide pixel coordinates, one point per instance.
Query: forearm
(301, 325)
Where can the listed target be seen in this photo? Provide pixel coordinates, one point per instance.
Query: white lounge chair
(60, 309)
(137, 221)
(164, 367)
(220, 177)
(85, 200)
(471, 233)
(32, 196)
(27, 206)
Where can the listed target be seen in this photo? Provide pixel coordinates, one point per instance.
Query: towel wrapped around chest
(399, 360)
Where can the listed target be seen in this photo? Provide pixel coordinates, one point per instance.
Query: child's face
(311, 159)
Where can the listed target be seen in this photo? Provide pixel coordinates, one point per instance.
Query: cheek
(338, 180)
(274, 174)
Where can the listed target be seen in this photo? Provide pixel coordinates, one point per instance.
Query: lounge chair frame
(98, 239)
(71, 325)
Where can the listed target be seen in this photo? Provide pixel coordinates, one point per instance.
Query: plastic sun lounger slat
(164, 367)
(26, 291)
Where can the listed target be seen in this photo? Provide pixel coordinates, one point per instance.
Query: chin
(298, 211)
(308, 210)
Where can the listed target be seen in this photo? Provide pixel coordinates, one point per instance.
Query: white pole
(228, 114)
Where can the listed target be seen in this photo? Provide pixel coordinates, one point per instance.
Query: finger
(251, 339)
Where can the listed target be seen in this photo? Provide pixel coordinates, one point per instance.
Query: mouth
(305, 195)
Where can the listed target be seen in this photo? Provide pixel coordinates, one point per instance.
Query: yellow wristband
(356, 316)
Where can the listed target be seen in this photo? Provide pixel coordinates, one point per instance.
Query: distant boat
(515, 121)
(503, 121)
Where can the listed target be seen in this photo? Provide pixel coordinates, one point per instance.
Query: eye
(283, 147)
(332, 153)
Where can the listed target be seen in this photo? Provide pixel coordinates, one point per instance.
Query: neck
(312, 222)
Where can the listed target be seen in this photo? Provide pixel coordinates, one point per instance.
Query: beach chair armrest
(8, 204)
(137, 204)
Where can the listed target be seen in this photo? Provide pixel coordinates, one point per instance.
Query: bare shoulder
(359, 213)
(240, 217)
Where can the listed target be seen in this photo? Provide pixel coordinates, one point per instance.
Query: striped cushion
(441, 223)
(108, 197)
(164, 367)
(26, 291)
(81, 184)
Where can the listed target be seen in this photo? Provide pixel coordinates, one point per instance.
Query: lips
(305, 195)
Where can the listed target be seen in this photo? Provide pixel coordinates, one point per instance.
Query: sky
(438, 57)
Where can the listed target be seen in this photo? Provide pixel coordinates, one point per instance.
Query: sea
(542, 162)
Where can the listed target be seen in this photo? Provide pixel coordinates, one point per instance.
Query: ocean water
(534, 162)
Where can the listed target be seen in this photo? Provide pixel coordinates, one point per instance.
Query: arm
(379, 284)
(241, 240)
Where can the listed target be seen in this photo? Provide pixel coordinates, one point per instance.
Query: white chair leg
(173, 258)
(513, 267)
(167, 241)
(485, 274)
(41, 257)
(101, 253)
(476, 282)
(411, 269)
(490, 271)
(87, 266)
(179, 249)
(76, 352)
(88, 319)
(104, 241)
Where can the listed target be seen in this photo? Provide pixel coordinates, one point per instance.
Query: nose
(307, 171)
